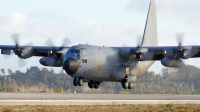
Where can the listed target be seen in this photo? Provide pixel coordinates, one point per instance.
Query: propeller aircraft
(95, 64)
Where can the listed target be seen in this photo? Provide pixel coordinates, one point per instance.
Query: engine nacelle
(50, 61)
(119, 73)
(27, 52)
(171, 62)
(24, 53)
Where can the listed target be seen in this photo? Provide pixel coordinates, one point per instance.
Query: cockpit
(73, 59)
(83, 51)
(77, 53)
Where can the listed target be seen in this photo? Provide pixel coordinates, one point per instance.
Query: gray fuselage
(98, 63)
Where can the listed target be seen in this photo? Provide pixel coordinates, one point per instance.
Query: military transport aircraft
(95, 64)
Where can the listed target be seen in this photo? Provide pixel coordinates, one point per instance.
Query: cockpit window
(72, 51)
(77, 51)
(84, 51)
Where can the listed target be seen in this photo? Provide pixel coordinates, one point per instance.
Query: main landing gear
(91, 84)
(126, 85)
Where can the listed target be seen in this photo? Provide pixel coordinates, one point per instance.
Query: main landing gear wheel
(91, 84)
(96, 85)
(127, 85)
(75, 82)
(130, 85)
(80, 81)
(124, 84)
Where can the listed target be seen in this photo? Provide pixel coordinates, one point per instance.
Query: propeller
(138, 49)
(180, 36)
(15, 38)
(56, 53)
(180, 50)
(66, 42)
(21, 62)
(21, 52)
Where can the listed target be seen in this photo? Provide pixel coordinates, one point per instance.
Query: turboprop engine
(50, 61)
(139, 53)
(172, 62)
(24, 53)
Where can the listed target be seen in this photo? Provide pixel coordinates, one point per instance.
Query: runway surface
(87, 96)
(93, 99)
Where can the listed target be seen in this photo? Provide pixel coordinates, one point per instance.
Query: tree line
(184, 80)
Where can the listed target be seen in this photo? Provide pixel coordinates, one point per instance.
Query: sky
(97, 22)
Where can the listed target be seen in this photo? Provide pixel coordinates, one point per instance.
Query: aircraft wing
(143, 53)
(175, 52)
(28, 51)
(170, 56)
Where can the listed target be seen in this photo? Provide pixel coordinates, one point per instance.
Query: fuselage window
(84, 60)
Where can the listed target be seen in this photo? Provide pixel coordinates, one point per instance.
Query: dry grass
(104, 108)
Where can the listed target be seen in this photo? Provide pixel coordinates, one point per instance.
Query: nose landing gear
(75, 82)
(78, 81)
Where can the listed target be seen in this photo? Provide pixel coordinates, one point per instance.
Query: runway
(88, 96)
(93, 99)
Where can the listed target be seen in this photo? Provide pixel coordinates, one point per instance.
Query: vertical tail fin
(150, 31)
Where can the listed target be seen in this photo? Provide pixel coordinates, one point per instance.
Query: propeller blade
(49, 42)
(66, 42)
(28, 48)
(15, 38)
(180, 36)
(21, 62)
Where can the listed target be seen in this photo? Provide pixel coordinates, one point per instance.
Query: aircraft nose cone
(71, 66)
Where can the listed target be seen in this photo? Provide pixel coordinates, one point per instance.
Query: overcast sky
(97, 22)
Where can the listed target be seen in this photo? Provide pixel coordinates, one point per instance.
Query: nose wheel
(78, 81)
(75, 82)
